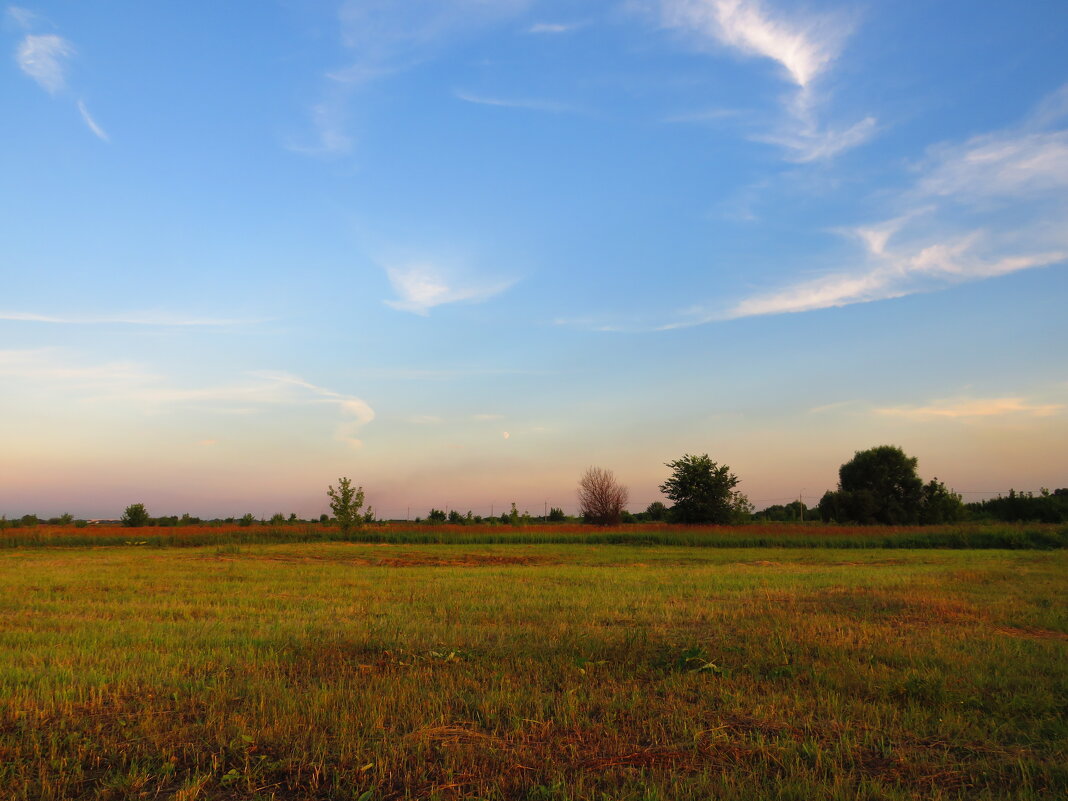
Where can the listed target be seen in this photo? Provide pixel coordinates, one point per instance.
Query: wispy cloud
(530, 105)
(424, 420)
(831, 407)
(952, 230)
(705, 115)
(803, 48)
(973, 408)
(950, 227)
(387, 34)
(328, 119)
(382, 38)
(22, 17)
(1006, 164)
(896, 274)
(812, 143)
(96, 129)
(555, 27)
(421, 287)
(43, 58)
(803, 45)
(134, 318)
(357, 410)
(48, 364)
(126, 383)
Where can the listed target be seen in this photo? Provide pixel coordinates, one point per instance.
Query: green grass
(754, 535)
(346, 671)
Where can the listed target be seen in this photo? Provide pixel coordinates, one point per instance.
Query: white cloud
(22, 17)
(482, 417)
(421, 287)
(895, 274)
(831, 407)
(43, 59)
(96, 129)
(47, 365)
(1008, 165)
(811, 143)
(121, 383)
(384, 33)
(424, 420)
(349, 405)
(531, 105)
(953, 229)
(133, 318)
(803, 48)
(555, 27)
(384, 37)
(973, 408)
(328, 119)
(705, 115)
(1052, 109)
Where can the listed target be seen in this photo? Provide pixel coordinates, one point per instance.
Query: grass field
(753, 535)
(540, 671)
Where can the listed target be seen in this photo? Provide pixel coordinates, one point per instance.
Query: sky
(461, 250)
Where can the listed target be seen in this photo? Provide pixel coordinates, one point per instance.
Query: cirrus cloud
(422, 286)
(43, 58)
(973, 408)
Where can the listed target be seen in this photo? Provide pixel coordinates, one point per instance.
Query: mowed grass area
(349, 671)
(751, 535)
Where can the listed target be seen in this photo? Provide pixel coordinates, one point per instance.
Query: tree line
(879, 485)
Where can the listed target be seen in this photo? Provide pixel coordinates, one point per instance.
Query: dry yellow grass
(330, 671)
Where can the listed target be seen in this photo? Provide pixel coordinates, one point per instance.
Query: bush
(135, 516)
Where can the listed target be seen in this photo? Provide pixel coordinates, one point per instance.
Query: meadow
(750, 535)
(531, 670)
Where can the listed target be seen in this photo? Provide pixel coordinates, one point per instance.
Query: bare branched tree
(601, 497)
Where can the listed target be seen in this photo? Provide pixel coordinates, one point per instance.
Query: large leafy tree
(881, 485)
(703, 492)
(940, 504)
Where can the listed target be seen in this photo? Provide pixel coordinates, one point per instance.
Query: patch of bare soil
(895, 608)
(400, 560)
(807, 564)
(1031, 633)
(462, 560)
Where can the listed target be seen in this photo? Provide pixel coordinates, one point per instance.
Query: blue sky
(461, 250)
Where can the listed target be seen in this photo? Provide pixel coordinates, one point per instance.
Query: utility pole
(545, 512)
(801, 504)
